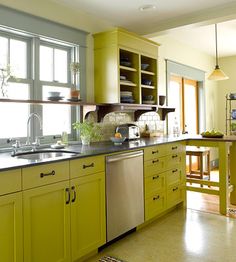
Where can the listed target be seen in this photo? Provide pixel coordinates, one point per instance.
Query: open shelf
(148, 72)
(128, 68)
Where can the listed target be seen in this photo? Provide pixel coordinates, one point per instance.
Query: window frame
(32, 77)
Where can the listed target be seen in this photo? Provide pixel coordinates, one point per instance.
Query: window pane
(18, 58)
(174, 100)
(3, 52)
(56, 118)
(13, 117)
(61, 66)
(190, 108)
(46, 63)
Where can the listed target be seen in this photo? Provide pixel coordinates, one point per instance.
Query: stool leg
(201, 168)
(208, 167)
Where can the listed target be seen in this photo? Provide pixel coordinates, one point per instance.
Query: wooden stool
(199, 152)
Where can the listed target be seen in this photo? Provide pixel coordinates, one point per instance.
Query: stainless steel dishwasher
(124, 193)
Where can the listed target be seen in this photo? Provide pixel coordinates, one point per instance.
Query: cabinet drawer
(154, 183)
(173, 148)
(174, 176)
(86, 166)
(154, 152)
(154, 166)
(175, 195)
(45, 174)
(174, 160)
(154, 205)
(10, 181)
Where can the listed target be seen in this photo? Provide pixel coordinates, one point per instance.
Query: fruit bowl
(212, 134)
(117, 140)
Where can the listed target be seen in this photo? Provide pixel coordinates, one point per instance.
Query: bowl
(117, 140)
(146, 82)
(54, 93)
(148, 98)
(144, 66)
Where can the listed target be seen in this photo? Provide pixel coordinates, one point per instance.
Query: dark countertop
(99, 148)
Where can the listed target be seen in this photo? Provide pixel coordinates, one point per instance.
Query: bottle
(176, 127)
(64, 138)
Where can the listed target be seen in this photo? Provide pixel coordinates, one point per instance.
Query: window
(38, 66)
(14, 51)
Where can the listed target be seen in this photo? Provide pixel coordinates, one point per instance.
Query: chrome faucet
(28, 141)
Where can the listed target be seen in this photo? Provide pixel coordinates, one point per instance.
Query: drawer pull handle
(174, 147)
(155, 161)
(174, 156)
(156, 198)
(68, 196)
(155, 177)
(174, 189)
(74, 194)
(91, 165)
(175, 170)
(155, 152)
(47, 174)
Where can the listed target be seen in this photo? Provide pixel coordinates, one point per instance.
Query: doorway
(183, 95)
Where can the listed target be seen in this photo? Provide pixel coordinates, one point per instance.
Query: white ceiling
(169, 15)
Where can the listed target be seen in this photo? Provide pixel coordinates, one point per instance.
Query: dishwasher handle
(123, 156)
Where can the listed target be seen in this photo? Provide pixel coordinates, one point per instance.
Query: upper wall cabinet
(125, 68)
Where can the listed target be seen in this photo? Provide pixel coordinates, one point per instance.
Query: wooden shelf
(148, 73)
(102, 109)
(128, 68)
(148, 87)
(123, 83)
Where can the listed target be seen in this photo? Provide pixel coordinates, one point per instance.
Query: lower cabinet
(11, 235)
(164, 173)
(87, 214)
(46, 213)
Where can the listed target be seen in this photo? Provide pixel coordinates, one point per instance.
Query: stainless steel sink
(45, 154)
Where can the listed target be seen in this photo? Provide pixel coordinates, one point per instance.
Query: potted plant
(89, 131)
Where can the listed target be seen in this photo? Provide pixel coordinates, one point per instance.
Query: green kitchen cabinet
(11, 235)
(88, 230)
(47, 223)
(125, 62)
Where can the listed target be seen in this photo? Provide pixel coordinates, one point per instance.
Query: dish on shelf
(126, 93)
(126, 81)
(125, 63)
(54, 94)
(147, 98)
(146, 82)
(55, 98)
(213, 136)
(74, 99)
(122, 77)
(144, 66)
(232, 95)
(149, 102)
(129, 101)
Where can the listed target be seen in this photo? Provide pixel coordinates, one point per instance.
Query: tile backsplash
(111, 120)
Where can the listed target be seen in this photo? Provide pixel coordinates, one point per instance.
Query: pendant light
(217, 74)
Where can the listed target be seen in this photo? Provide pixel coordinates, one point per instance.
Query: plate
(55, 98)
(213, 136)
(148, 102)
(74, 99)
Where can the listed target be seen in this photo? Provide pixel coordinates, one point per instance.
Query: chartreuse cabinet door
(87, 214)
(47, 223)
(11, 236)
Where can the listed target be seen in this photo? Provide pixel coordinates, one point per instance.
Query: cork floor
(181, 236)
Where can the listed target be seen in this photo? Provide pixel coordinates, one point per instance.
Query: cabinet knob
(174, 156)
(155, 177)
(175, 170)
(155, 161)
(174, 189)
(155, 152)
(174, 147)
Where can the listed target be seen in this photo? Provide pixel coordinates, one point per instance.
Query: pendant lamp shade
(217, 73)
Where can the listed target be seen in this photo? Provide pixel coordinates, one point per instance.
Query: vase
(85, 140)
